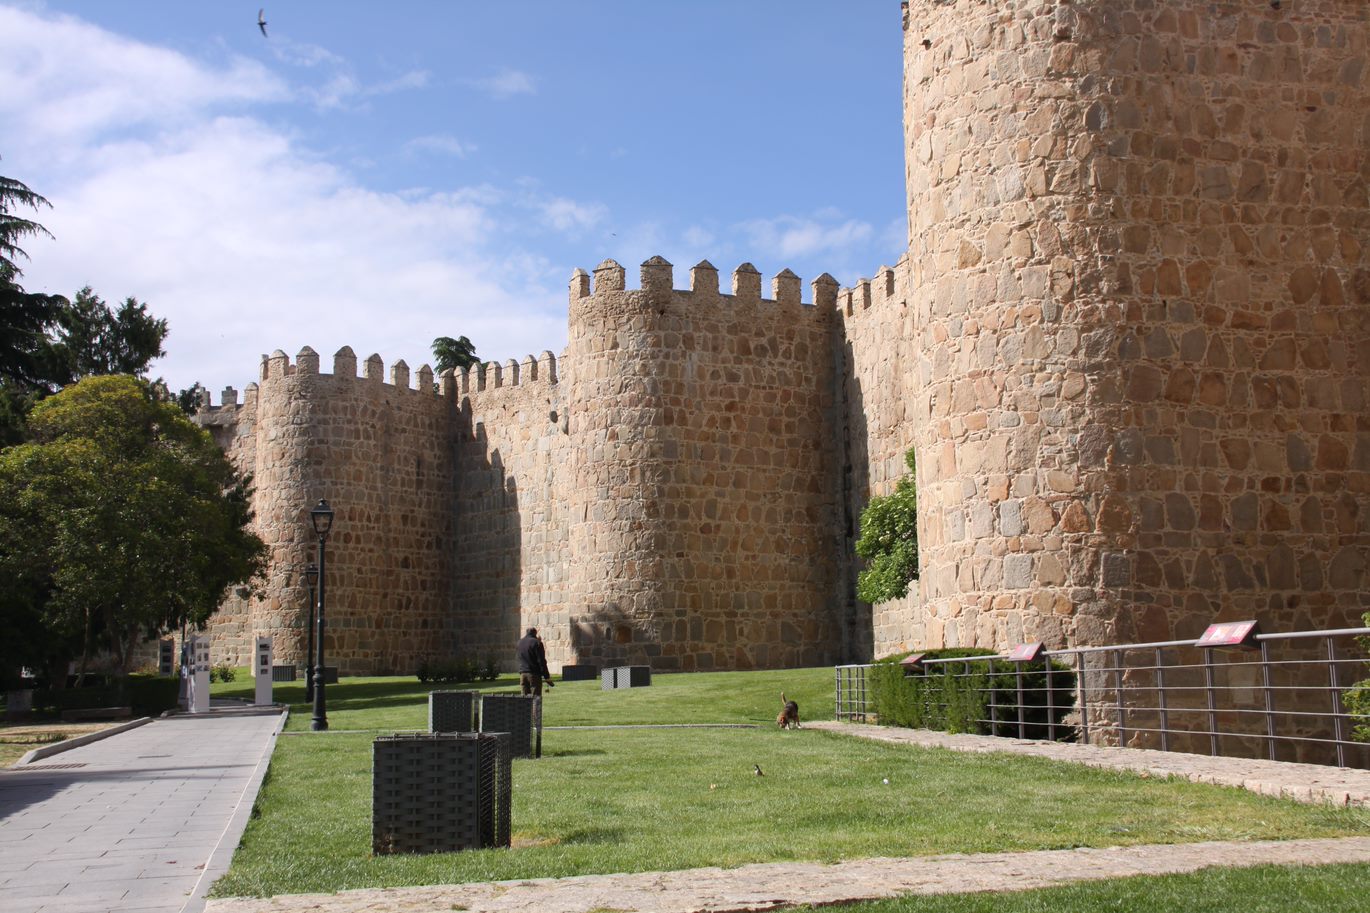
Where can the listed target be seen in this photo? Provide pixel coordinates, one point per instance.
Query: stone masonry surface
(1129, 344)
(776, 886)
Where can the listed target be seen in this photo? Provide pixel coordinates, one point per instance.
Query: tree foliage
(13, 228)
(48, 342)
(889, 541)
(450, 354)
(121, 520)
(1357, 698)
(95, 339)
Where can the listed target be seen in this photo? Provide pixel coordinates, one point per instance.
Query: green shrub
(889, 541)
(956, 697)
(444, 671)
(1356, 700)
(222, 673)
(148, 695)
(489, 669)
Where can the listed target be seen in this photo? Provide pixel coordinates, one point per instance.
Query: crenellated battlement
(874, 294)
(657, 276)
(479, 378)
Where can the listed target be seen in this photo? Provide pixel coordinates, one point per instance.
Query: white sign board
(199, 681)
(261, 671)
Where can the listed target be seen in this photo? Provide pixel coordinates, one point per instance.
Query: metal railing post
(1160, 699)
(1118, 689)
(1082, 696)
(1212, 706)
(1337, 709)
(1051, 704)
(1269, 700)
(1022, 723)
(837, 711)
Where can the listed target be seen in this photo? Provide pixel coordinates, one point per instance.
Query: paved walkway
(777, 885)
(1300, 782)
(141, 822)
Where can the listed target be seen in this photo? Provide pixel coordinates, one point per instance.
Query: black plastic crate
(520, 715)
(453, 711)
(440, 792)
(283, 673)
(579, 673)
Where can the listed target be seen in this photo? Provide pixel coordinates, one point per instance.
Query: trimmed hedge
(460, 669)
(956, 697)
(148, 695)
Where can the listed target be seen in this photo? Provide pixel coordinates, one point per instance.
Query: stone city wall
(1139, 284)
(877, 358)
(511, 551)
(704, 528)
(375, 450)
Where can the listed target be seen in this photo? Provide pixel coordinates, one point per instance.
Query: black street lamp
(311, 579)
(322, 518)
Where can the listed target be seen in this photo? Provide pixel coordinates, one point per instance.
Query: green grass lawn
(1260, 889)
(400, 703)
(630, 800)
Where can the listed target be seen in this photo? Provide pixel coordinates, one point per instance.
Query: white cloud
(568, 215)
(697, 236)
(171, 189)
(791, 236)
(63, 81)
(444, 145)
(506, 84)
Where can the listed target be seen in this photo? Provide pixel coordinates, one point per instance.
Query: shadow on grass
(596, 835)
(572, 752)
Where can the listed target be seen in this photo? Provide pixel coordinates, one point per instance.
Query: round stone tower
(1140, 269)
(617, 424)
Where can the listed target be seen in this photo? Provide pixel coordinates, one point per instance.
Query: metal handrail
(1123, 698)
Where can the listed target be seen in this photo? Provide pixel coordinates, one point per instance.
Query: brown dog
(789, 714)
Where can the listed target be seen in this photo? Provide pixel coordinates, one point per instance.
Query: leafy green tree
(14, 228)
(48, 342)
(450, 354)
(94, 339)
(121, 520)
(1357, 698)
(25, 318)
(889, 541)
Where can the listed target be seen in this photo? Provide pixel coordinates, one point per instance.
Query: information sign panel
(1230, 634)
(199, 680)
(1024, 653)
(261, 671)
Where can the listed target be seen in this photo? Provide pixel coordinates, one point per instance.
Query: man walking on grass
(533, 669)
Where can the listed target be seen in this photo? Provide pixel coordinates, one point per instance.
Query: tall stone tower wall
(510, 553)
(704, 530)
(1139, 281)
(375, 450)
(878, 365)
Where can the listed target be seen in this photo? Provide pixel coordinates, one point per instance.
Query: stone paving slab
(775, 885)
(1312, 783)
(137, 821)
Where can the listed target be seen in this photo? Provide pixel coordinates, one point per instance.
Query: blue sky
(377, 175)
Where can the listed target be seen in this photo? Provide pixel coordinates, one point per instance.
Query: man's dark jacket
(532, 658)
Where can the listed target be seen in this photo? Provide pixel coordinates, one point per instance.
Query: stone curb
(219, 860)
(47, 751)
(1309, 783)
(772, 886)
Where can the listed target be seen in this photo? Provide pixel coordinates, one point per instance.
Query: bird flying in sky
(261, 21)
